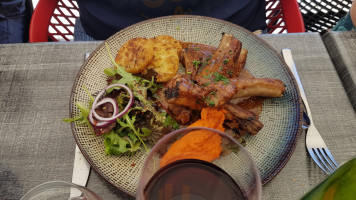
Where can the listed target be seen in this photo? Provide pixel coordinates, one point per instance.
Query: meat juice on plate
(192, 179)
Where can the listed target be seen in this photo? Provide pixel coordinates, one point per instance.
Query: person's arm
(353, 13)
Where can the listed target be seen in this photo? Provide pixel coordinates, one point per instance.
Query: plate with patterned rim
(271, 148)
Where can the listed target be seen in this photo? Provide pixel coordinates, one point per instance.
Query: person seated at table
(15, 16)
(348, 22)
(101, 19)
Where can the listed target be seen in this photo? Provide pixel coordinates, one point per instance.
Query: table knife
(287, 55)
(81, 168)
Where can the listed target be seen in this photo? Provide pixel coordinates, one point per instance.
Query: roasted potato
(166, 53)
(135, 55)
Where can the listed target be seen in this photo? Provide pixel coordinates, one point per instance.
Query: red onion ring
(105, 121)
(100, 123)
(106, 100)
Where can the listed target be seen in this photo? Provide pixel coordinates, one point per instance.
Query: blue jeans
(79, 32)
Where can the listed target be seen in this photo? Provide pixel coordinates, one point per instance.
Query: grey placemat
(331, 109)
(35, 145)
(342, 49)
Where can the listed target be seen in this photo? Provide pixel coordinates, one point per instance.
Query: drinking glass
(60, 190)
(233, 175)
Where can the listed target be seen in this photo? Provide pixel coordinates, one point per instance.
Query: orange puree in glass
(199, 144)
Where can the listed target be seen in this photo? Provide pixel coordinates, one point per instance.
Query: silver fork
(315, 144)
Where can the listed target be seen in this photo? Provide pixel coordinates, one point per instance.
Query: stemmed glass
(60, 190)
(232, 176)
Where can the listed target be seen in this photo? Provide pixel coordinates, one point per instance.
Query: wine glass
(60, 190)
(233, 175)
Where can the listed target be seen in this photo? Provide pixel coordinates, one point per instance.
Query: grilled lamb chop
(195, 56)
(224, 61)
(242, 120)
(184, 92)
(180, 113)
(216, 84)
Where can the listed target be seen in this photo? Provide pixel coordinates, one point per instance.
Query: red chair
(53, 20)
(284, 16)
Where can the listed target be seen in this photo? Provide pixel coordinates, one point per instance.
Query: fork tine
(331, 157)
(316, 160)
(327, 158)
(321, 158)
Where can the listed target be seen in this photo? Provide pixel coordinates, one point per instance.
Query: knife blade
(81, 168)
(287, 55)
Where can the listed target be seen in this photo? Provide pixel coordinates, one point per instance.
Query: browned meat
(263, 87)
(180, 113)
(253, 104)
(195, 56)
(245, 74)
(215, 86)
(182, 91)
(207, 50)
(221, 81)
(242, 121)
(192, 60)
(224, 61)
(236, 111)
(219, 93)
(240, 62)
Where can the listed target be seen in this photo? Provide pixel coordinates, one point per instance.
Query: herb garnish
(196, 63)
(205, 84)
(220, 77)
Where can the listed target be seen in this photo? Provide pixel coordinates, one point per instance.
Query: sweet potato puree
(199, 144)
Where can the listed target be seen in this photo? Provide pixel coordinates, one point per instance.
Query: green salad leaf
(82, 118)
(126, 122)
(139, 90)
(114, 144)
(170, 121)
(127, 136)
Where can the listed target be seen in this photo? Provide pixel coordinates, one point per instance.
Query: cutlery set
(314, 142)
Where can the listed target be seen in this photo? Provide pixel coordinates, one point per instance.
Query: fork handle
(287, 54)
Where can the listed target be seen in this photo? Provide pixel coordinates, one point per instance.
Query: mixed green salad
(125, 113)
